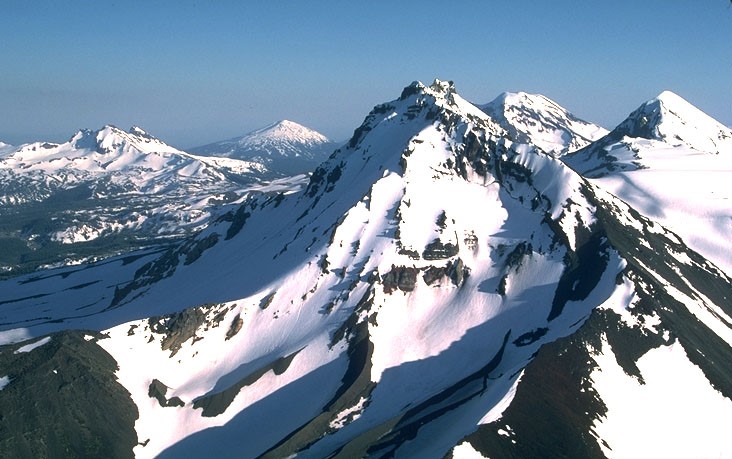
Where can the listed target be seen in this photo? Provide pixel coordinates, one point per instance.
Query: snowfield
(648, 418)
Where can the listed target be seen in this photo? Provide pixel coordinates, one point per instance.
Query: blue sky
(193, 72)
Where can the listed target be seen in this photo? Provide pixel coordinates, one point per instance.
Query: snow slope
(610, 389)
(656, 430)
(537, 120)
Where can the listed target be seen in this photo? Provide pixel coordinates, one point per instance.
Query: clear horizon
(195, 72)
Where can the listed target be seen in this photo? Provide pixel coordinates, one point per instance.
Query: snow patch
(348, 415)
(466, 451)
(32, 346)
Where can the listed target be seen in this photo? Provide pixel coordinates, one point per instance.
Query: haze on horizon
(194, 72)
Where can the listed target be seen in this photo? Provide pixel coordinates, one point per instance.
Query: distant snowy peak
(284, 148)
(111, 149)
(90, 150)
(537, 120)
(111, 139)
(665, 128)
(671, 119)
(133, 159)
(283, 135)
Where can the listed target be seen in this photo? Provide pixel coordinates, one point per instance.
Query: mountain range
(111, 191)
(450, 282)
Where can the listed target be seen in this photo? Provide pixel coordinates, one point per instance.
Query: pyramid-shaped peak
(669, 102)
(670, 118)
(285, 125)
(286, 130)
(671, 97)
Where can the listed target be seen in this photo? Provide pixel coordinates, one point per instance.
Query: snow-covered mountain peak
(671, 119)
(131, 159)
(535, 119)
(111, 139)
(437, 144)
(284, 131)
(283, 137)
(105, 182)
(521, 98)
(284, 148)
(670, 98)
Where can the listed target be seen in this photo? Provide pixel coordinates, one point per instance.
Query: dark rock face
(547, 416)
(433, 274)
(238, 221)
(157, 390)
(63, 400)
(177, 328)
(201, 246)
(400, 277)
(236, 325)
(522, 249)
(456, 271)
(436, 250)
(266, 301)
(216, 403)
(582, 274)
